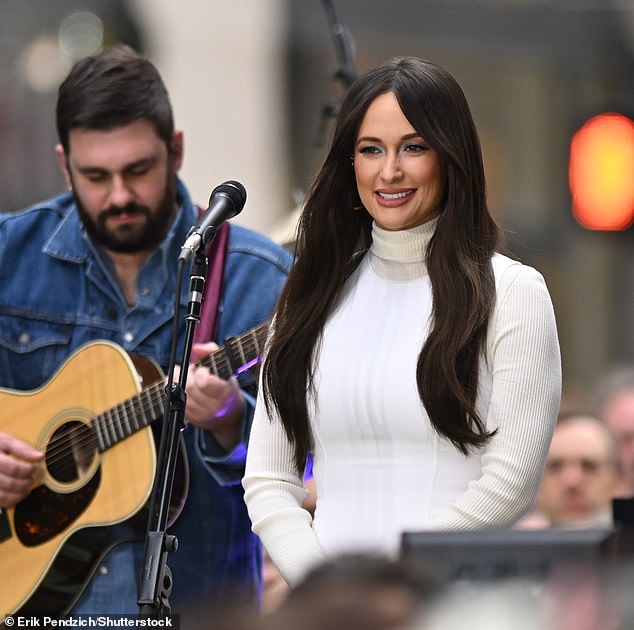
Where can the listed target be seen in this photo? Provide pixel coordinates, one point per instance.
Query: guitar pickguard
(5, 529)
(45, 514)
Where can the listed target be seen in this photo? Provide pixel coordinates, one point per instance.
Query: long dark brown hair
(331, 239)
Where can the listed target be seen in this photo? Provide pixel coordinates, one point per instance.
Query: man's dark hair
(110, 89)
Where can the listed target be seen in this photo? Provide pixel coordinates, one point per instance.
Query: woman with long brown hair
(418, 366)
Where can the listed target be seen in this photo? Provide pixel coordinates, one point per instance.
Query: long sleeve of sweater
(274, 493)
(525, 388)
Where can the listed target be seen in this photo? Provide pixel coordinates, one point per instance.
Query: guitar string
(61, 448)
(109, 425)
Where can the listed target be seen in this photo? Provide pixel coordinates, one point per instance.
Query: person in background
(349, 592)
(100, 262)
(358, 592)
(418, 366)
(582, 474)
(615, 406)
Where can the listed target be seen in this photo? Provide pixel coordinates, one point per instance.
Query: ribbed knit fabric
(379, 467)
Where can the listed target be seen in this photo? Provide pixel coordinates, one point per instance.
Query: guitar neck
(239, 353)
(130, 416)
(119, 422)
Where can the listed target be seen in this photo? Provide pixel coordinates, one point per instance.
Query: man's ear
(63, 165)
(176, 150)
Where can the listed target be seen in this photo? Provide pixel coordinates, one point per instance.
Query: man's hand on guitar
(213, 403)
(18, 463)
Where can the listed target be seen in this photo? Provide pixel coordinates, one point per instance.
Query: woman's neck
(400, 255)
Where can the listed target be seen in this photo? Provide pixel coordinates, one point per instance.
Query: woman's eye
(414, 148)
(369, 150)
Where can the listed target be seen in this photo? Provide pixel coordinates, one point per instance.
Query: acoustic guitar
(95, 422)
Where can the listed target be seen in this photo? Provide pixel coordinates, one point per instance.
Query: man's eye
(95, 177)
(554, 467)
(589, 466)
(138, 172)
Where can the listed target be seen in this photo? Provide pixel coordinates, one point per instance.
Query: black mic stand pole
(155, 584)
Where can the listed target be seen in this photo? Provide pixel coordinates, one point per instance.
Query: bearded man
(100, 262)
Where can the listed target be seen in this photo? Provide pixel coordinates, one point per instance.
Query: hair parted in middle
(331, 240)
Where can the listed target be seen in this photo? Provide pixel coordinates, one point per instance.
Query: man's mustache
(131, 208)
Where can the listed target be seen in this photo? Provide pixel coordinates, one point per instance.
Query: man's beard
(130, 239)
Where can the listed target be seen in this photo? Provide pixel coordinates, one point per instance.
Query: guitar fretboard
(139, 411)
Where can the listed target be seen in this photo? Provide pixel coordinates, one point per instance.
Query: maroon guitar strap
(216, 254)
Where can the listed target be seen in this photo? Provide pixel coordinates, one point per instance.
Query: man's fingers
(203, 350)
(11, 445)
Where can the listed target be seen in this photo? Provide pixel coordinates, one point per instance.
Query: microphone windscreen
(234, 190)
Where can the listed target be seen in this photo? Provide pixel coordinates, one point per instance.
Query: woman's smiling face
(399, 178)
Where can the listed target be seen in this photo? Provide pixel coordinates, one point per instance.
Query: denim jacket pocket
(30, 350)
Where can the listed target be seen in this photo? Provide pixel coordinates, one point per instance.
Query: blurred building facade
(253, 82)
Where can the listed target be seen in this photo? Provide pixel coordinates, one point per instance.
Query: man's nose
(120, 192)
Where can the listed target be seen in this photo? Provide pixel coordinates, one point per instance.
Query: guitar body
(60, 528)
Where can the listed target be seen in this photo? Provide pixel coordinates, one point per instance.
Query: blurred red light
(601, 173)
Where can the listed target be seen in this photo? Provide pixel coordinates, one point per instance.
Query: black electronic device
(490, 555)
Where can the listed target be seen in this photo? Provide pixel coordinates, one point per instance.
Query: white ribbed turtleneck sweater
(379, 467)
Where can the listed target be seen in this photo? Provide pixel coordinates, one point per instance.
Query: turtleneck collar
(400, 255)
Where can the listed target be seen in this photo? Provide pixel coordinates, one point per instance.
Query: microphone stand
(345, 73)
(344, 46)
(155, 584)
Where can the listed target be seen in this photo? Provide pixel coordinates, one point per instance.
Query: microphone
(225, 202)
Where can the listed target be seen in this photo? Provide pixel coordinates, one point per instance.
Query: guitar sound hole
(70, 452)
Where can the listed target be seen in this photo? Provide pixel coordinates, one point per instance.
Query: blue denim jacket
(58, 292)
